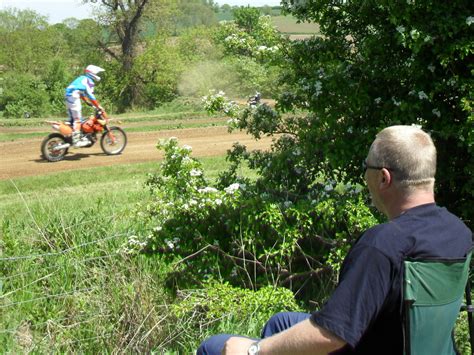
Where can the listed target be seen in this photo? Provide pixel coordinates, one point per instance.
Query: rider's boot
(76, 137)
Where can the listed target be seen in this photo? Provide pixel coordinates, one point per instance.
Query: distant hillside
(285, 24)
(289, 25)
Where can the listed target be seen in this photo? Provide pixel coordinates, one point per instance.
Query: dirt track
(23, 157)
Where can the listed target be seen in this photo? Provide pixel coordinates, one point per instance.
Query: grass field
(289, 25)
(64, 287)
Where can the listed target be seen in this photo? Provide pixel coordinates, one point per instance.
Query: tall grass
(64, 285)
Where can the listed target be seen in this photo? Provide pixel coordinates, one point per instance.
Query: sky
(58, 10)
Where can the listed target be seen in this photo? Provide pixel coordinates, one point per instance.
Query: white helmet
(92, 71)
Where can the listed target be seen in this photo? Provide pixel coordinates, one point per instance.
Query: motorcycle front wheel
(50, 150)
(113, 141)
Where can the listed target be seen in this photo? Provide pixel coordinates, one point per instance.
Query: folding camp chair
(432, 296)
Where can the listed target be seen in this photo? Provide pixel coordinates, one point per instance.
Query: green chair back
(433, 293)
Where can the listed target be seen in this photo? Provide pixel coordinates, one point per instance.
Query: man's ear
(385, 179)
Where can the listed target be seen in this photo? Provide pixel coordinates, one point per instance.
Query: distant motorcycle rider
(82, 88)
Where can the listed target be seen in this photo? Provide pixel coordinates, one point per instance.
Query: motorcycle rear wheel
(49, 150)
(115, 145)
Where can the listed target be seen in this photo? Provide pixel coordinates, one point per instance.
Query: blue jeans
(276, 324)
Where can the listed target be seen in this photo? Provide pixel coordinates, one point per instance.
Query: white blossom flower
(318, 86)
(207, 189)
(422, 95)
(187, 147)
(470, 20)
(431, 68)
(157, 229)
(395, 102)
(218, 201)
(328, 188)
(400, 29)
(436, 112)
(377, 100)
(232, 188)
(195, 172)
(415, 34)
(169, 243)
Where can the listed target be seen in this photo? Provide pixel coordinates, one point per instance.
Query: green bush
(23, 95)
(245, 234)
(219, 308)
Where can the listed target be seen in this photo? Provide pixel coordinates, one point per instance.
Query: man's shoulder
(423, 231)
(388, 238)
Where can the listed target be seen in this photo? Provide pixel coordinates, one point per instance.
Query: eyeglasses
(366, 166)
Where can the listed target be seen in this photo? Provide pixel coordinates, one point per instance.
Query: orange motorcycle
(112, 141)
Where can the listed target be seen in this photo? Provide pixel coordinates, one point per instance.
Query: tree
(125, 19)
(23, 36)
(34, 56)
(193, 13)
(384, 63)
(246, 18)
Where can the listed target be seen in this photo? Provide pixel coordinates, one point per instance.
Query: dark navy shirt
(365, 308)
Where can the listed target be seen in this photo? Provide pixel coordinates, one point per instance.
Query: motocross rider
(82, 88)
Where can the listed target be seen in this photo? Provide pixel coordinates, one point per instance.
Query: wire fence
(58, 295)
(82, 288)
(61, 252)
(51, 270)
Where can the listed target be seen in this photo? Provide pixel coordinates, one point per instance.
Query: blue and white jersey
(81, 86)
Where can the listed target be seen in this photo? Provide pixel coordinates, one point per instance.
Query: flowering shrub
(217, 102)
(254, 48)
(240, 233)
(258, 38)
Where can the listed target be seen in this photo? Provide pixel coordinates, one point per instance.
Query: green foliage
(23, 94)
(246, 234)
(161, 65)
(247, 18)
(196, 45)
(220, 307)
(252, 56)
(63, 286)
(37, 60)
(191, 14)
(461, 333)
(380, 64)
(260, 43)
